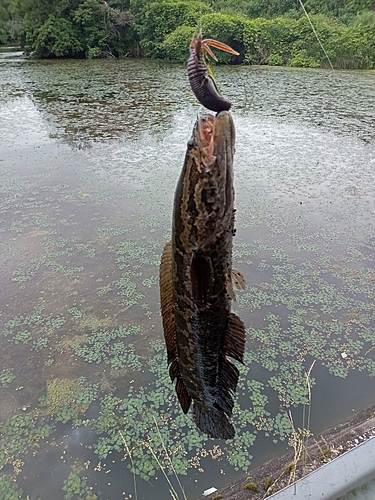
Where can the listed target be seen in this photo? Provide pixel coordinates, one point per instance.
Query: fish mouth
(224, 134)
(214, 137)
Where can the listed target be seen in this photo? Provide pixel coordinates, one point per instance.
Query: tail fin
(213, 422)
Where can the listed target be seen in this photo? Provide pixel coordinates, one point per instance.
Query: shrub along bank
(273, 32)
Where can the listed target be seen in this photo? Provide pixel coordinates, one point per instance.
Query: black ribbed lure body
(202, 84)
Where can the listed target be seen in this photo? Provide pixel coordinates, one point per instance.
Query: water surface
(90, 152)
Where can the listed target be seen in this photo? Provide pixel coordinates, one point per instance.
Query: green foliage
(76, 29)
(6, 378)
(27, 329)
(19, 434)
(160, 19)
(338, 8)
(76, 485)
(102, 346)
(354, 46)
(274, 60)
(273, 32)
(301, 59)
(55, 37)
(10, 22)
(8, 489)
(256, 8)
(89, 16)
(175, 46)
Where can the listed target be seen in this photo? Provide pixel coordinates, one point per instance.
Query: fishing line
(200, 15)
(316, 34)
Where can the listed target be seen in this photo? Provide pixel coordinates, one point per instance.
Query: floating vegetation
(23, 329)
(138, 254)
(8, 489)
(6, 378)
(61, 392)
(101, 346)
(21, 434)
(76, 484)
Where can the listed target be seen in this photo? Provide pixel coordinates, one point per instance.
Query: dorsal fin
(166, 302)
(169, 325)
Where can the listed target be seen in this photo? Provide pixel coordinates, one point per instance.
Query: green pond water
(90, 153)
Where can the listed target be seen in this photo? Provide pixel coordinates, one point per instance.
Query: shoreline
(280, 472)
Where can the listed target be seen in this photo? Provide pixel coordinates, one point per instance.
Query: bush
(301, 59)
(227, 29)
(176, 45)
(55, 37)
(274, 60)
(352, 48)
(162, 19)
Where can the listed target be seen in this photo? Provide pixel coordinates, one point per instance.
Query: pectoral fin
(236, 280)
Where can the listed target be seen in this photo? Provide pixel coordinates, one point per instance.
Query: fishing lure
(202, 83)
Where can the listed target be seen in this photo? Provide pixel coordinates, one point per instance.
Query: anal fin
(235, 338)
(234, 346)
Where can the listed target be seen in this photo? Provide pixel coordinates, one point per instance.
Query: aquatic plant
(20, 434)
(9, 490)
(40, 343)
(66, 399)
(24, 329)
(6, 378)
(76, 484)
(101, 346)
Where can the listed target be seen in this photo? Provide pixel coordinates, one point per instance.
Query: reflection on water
(90, 152)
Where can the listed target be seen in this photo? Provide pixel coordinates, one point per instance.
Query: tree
(10, 22)
(54, 37)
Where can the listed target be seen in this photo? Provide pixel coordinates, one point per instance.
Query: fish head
(210, 166)
(213, 136)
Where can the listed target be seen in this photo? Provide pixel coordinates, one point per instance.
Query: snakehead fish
(196, 280)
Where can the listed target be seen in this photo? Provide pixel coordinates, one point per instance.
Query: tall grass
(172, 491)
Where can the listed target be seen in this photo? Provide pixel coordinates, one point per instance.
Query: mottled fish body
(196, 275)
